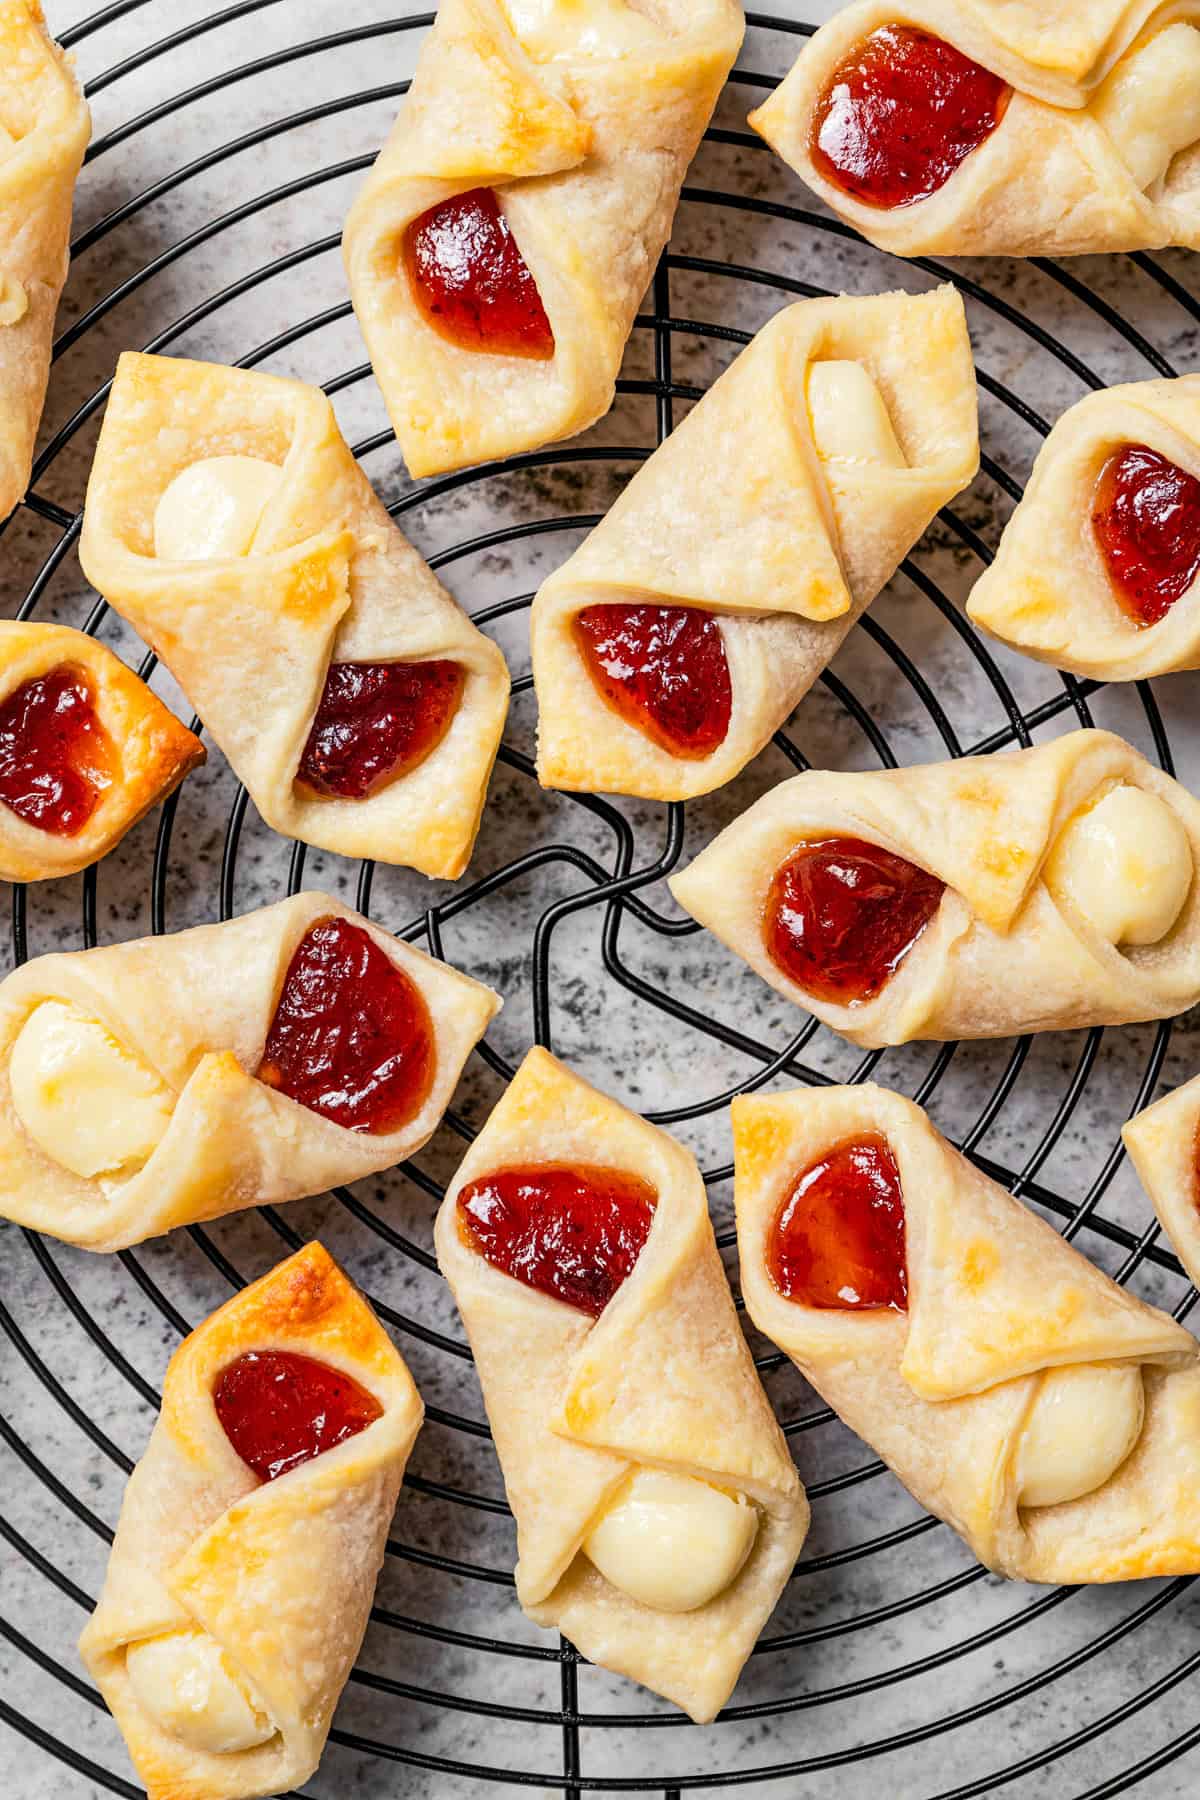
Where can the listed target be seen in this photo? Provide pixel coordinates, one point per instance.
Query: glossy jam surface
(664, 669)
(471, 282)
(842, 914)
(900, 115)
(376, 722)
(1146, 517)
(56, 759)
(279, 1410)
(838, 1239)
(351, 1037)
(574, 1231)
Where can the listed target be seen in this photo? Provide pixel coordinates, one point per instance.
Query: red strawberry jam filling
(471, 282)
(664, 669)
(56, 759)
(1146, 517)
(279, 1410)
(841, 916)
(351, 1037)
(376, 722)
(900, 115)
(838, 1239)
(573, 1232)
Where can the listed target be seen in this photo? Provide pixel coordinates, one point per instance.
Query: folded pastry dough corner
(135, 1091)
(64, 806)
(658, 1510)
(1017, 1392)
(1057, 589)
(229, 522)
(234, 1605)
(773, 514)
(1032, 890)
(566, 131)
(44, 130)
(986, 128)
(1163, 1141)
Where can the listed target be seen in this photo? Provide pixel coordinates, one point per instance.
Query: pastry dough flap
(280, 1574)
(995, 1297)
(662, 1379)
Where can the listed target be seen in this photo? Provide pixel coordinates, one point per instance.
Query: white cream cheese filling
(188, 1685)
(1125, 863)
(850, 421)
(1082, 1425)
(1150, 103)
(672, 1542)
(213, 507)
(550, 30)
(88, 1103)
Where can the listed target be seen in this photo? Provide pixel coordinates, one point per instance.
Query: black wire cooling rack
(893, 1660)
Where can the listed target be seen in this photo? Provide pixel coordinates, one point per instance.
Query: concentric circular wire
(460, 1696)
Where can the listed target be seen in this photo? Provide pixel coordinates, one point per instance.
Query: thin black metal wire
(616, 888)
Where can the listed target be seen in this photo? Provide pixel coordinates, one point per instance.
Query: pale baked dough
(663, 1379)
(1008, 950)
(1163, 1142)
(152, 750)
(45, 130)
(782, 503)
(327, 578)
(586, 153)
(1097, 110)
(278, 1575)
(1002, 1315)
(1048, 592)
(195, 1009)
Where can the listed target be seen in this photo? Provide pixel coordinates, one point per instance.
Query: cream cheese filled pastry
(1163, 1142)
(1098, 570)
(157, 1083)
(658, 1510)
(501, 245)
(1042, 1411)
(699, 612)
(229, 522)
(251, 1534)
(1030, 891)
(85, 750)
(44, 131)
(980, 127)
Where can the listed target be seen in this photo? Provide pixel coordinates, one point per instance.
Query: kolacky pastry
(1042, 1411)
(988, 128)
(251, 1534)
(1098, 570)
(1033, 890)
(504, 238)
(1163, 1141)
(85, 750)
(694, 618)
(658, 1514)
(229, 522)
(44, 131)
(174, 1079)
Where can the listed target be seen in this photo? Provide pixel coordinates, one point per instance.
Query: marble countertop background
(190, 243)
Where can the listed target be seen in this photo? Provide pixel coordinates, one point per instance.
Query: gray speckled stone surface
(1053, 1695)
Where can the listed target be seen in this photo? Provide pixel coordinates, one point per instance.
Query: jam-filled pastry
(658, 1510)
(1029, 891)
(702, 608)
(85, 750)
(157, 1083)
(1163, 1142)
(44, 131)
(1098, 570)
(980, 127)
(229, 522)
(507, 233)
(1020, 1395)
(251, 1533)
